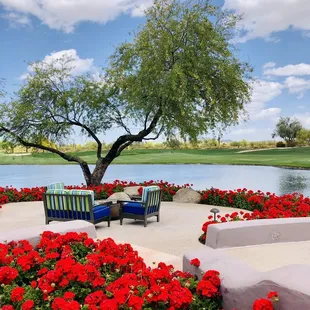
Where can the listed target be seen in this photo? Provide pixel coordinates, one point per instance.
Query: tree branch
(43, 147)
(157, 136)
(123, 147)
(79, 124)
(91, 133)
(124, 141)
(146, 119)
(119, 120)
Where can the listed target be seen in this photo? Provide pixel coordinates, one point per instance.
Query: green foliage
(211, 143)
(182, 66)
(173, 143)
(8, 146)
(303, 137)
(235, 143)
(287, 129)
(244, 143)
(280, 144)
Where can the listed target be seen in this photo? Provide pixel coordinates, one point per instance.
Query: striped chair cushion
(57, 202)
(58, 185)
(146, 190)
(82, 205)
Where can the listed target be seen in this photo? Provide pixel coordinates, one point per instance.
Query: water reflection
(293, 181)
(275, 180)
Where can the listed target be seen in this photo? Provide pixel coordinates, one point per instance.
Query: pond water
(276, 180)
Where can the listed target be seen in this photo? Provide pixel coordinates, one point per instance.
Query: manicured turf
(295, 157)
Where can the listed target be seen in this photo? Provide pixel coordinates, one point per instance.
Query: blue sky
(276, 42)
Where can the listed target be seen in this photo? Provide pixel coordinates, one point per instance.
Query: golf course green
(282, 157)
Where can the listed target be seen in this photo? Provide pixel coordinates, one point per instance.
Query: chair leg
(145, 222)
(109, 221)
(121, 221)
(47, 221)
(158, 218)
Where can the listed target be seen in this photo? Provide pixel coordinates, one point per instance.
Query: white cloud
(297, 85)
(78, 65)
(65, 14)
(299, 69)
(304, 119)
(263, 18)
(269, 65)
(264, 92)
(271, 114)
(17, 19)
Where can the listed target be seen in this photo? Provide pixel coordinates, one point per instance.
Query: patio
(176, 233)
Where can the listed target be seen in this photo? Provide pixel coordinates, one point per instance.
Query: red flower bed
(261, 206)
(72, 271)
(103, 191)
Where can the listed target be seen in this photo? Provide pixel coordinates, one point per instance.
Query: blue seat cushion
(99, 213)
(133, 208)
(137, 208)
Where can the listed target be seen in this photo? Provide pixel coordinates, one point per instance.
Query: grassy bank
(295, 157)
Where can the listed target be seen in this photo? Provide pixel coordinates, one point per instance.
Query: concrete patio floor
(167, 241)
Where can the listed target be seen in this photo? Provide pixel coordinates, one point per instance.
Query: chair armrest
(127, 201)
(136, 197)
(107, 203)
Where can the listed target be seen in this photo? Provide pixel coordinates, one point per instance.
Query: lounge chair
(68, 205)
(141, 210)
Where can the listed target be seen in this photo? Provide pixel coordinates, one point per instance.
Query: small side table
(114, 208)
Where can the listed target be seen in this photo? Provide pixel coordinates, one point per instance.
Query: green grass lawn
(295, 157)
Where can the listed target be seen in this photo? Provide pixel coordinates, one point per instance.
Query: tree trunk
(86, 173)
(96, 176)
(99, 171)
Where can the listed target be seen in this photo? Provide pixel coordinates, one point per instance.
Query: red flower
(262, 304)
(28, 305)
(195, 262)
(17, 294)
(33, 284)
(7, 274)
(206, 288)
(62, 304)
(135, 302)
(272, 295)
(7, 307)
(69, 295)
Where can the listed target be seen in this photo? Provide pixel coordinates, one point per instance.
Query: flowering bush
(103, 191)
(260, 206)
(72, 271)
(266, 304)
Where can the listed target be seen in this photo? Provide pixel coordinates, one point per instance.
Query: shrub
(260, 206)
(280, 144)
(291, 144)
(73, 271)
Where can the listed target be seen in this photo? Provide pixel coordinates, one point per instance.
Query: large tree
(287, 129)
(180, 75)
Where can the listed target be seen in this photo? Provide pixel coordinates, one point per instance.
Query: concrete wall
(241, 284)
(33, 234)
(243, 233)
